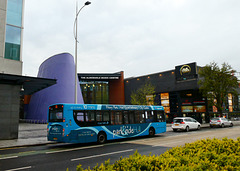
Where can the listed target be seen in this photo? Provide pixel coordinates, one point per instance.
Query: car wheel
(174, 130)
(199, 127)
(102, 138)
(211, 126)
(187, 129)
(231, 125)
(222, 125)
(151, 132)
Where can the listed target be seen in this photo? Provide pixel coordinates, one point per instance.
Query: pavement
(36, 134)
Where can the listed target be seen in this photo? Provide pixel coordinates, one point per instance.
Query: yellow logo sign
(185, 69)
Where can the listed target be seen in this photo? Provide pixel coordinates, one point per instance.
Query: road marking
(80, 148)
(8, 157)
(10, 148)
(100, 155)
(21, 168)
(167, 143)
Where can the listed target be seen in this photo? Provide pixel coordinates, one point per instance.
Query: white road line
(167, 143)
(82, 158)
(12, 157)
(21, 168)
(80, 148)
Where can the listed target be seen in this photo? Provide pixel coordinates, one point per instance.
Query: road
(63, 156)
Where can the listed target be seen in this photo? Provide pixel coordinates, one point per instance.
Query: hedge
(209, 154)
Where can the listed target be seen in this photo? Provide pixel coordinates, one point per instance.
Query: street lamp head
(87, 3)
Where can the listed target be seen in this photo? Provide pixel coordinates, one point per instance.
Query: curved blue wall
(62, 68)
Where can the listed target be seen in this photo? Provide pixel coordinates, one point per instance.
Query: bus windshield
(56, 113)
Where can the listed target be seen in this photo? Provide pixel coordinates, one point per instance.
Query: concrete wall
(8, 66)
(9, 111)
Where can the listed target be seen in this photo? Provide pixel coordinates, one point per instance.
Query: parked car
(185, 123)
(220, 122)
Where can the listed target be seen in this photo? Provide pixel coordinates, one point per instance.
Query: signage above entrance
(99, 76)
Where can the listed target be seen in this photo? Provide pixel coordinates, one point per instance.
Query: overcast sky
(138, 37)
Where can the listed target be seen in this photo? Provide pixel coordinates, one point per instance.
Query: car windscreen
(177, 120)
(215, 119)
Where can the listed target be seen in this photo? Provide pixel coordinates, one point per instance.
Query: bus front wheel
(151, 132)
(102, 138)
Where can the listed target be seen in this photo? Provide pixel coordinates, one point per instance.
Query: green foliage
(209, 154)
(216, 83)
(139, 97)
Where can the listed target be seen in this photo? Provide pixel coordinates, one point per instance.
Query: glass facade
(13, 29)
(14, 12)
(95, 92)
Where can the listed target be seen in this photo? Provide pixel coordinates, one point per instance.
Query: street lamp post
(76, 41)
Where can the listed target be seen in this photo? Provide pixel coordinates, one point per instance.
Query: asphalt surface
(61, 156)
(36, 134)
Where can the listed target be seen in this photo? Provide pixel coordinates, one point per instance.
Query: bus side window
(112, 118)
(149, 116)
(90, 118)
(137, 116)
(99, 116)
(125, 117)
(106, 117)
(79, 118)
(160, 116)
(143, 117)
(118, 117)
(131, 117)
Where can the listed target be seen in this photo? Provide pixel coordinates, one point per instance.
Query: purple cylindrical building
(62, 68)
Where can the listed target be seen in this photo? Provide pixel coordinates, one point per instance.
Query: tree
(139, 97)
(215, 84)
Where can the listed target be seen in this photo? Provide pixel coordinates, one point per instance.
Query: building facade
(11, 28)
(105, 88)
(178, 91)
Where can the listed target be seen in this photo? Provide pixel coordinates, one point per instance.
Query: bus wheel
(151, 132)
(102, 138)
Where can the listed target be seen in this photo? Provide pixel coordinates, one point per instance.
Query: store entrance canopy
(29, 85)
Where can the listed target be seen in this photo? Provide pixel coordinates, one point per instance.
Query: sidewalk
(29, 134)
(36, 134)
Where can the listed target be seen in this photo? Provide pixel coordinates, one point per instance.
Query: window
(14, 12)
(139, 117)
(55, 116)
(99, 116)
(12, 44)
(125, 117)
(131, 117)
(79, 118)
(149, 116)
(90, 118)
(160, 116)
(118, 118)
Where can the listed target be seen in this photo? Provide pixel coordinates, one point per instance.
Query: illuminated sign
(99, 78)
(185, 69)
(186, 72)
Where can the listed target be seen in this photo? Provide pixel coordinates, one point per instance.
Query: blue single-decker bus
(82, 123)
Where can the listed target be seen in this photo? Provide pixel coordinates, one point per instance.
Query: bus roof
(109, 107)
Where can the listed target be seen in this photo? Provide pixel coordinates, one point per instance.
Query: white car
(185, 123)
(220, 122)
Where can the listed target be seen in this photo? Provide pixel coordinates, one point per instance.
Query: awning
(29, 85)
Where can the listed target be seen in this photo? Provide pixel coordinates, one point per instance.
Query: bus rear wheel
(102, 138)
(151, 132)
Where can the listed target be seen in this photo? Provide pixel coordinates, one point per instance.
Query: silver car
(220, 122)
(185, 123)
